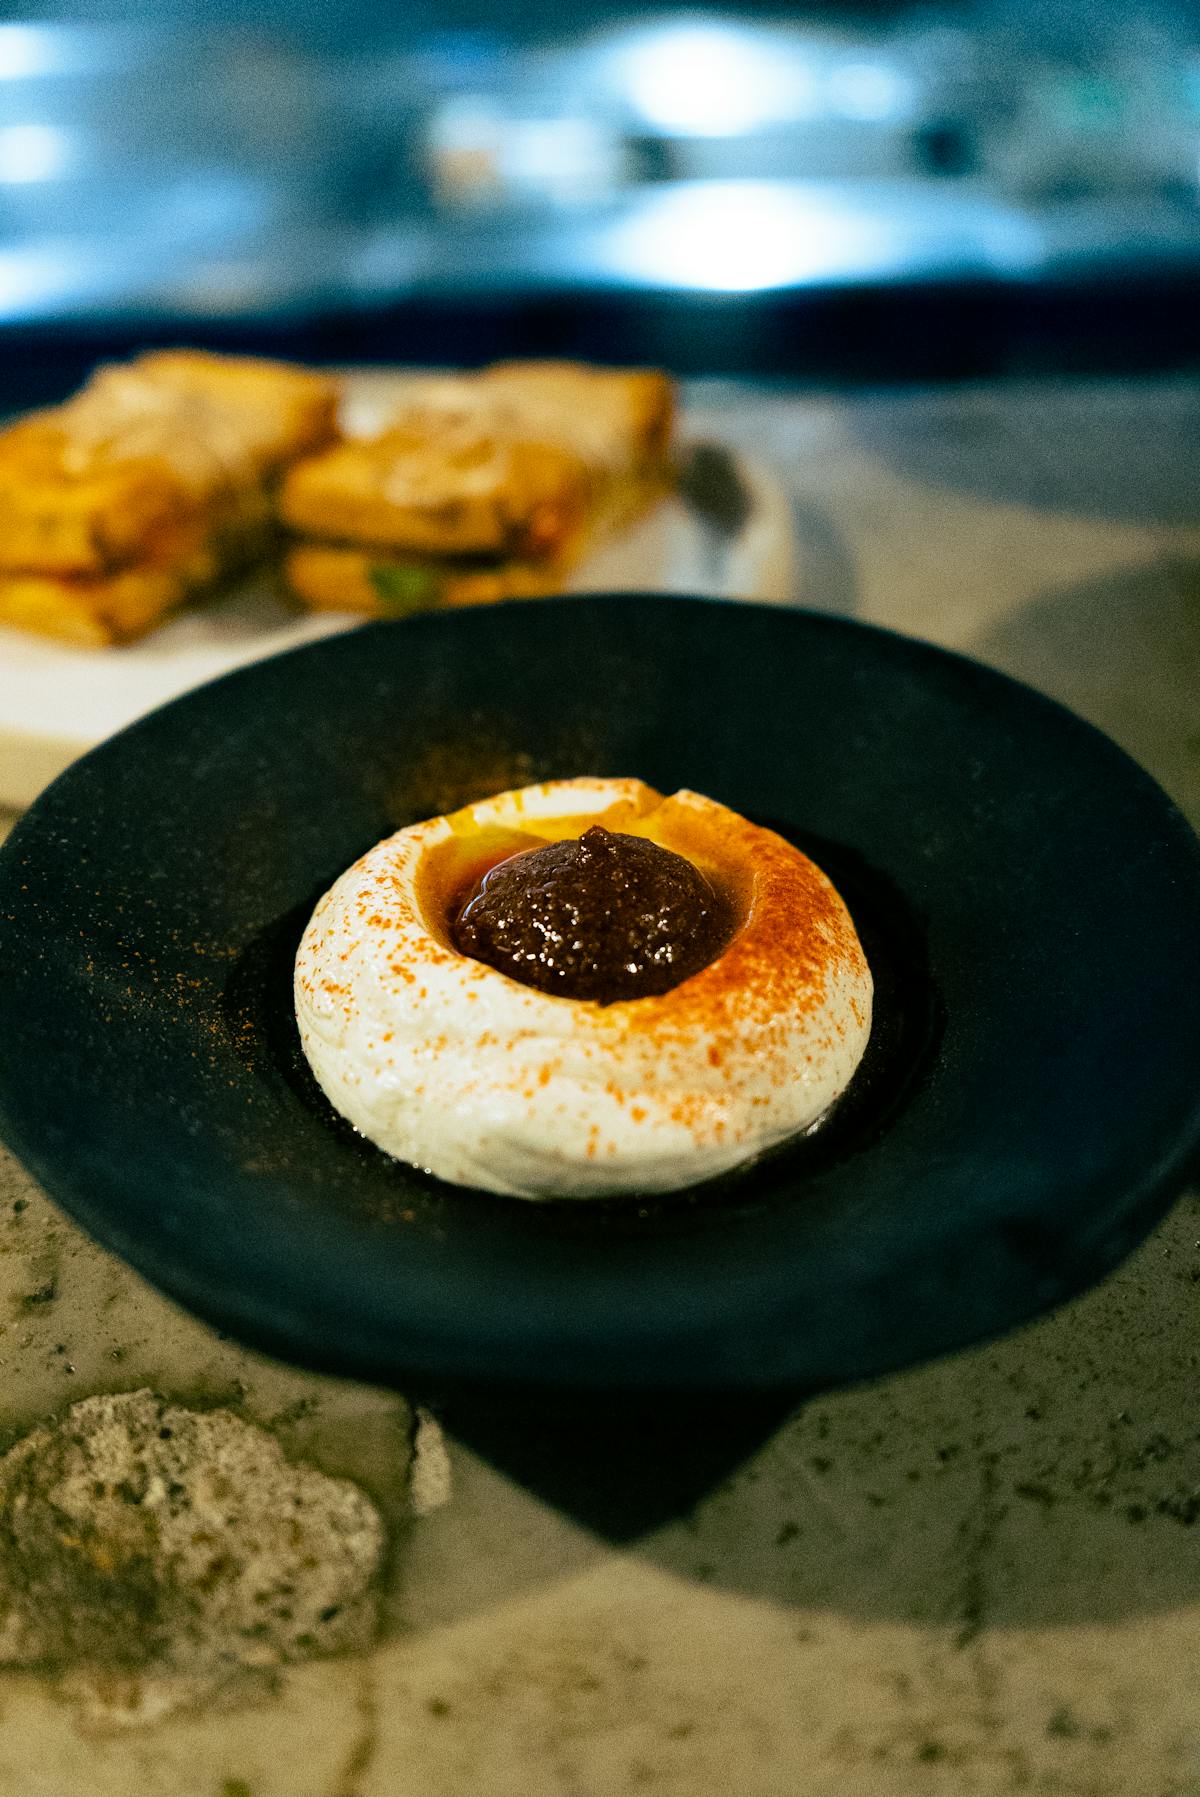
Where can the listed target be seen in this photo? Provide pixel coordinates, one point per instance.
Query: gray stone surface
(977, 1577)
(176, 1549)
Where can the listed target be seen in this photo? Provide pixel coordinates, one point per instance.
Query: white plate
(56, 701)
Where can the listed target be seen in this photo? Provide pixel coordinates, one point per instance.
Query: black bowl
(1028, 897)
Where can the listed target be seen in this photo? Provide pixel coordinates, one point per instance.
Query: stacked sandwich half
(478, 487)
(154, 481)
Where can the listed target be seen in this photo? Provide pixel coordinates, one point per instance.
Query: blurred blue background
(847, 194)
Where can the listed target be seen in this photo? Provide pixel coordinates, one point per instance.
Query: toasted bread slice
(618, 419)
(277, 410)
(82, 516)
(437, 484)
(98, 610)
(335, 577)
(89, 611)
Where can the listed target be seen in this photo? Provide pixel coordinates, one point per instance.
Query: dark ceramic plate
(1028, 897)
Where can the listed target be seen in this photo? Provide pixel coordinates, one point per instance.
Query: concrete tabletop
(978, 1577)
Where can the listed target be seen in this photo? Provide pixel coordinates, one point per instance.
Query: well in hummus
(582, 988)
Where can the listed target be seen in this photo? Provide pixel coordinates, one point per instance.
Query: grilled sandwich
(150, 484)
(478, 487)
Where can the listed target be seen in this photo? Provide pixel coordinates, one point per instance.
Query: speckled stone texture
(976, 1578)
(144, 1537)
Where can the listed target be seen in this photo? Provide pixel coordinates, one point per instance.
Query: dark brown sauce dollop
(604, 917)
